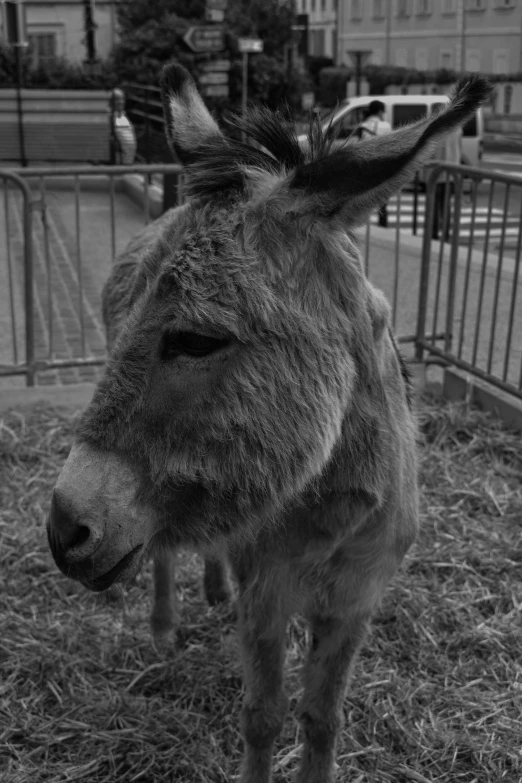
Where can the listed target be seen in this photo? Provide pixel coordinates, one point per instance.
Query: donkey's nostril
(78, 539)
(82, 535)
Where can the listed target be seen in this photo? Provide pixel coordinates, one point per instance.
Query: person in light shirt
(122, 130)
(376, 125)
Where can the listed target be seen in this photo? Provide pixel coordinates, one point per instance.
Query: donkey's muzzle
(74, 545)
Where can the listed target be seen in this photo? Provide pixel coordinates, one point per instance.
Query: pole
(357, 73)
(387, 54)
(19, 106)
(244, 94)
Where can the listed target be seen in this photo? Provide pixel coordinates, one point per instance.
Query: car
(403, 109)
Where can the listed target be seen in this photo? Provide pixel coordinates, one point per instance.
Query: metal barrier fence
(473, 292)
(64, 227)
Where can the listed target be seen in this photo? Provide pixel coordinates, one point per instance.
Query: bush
(57, 75)
(332, 85)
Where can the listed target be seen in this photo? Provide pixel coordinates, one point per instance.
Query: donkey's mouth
(106, 580)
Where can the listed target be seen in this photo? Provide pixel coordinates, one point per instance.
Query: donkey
(117, 300)
(255, 406)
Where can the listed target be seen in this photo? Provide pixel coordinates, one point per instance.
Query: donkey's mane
(221, 163)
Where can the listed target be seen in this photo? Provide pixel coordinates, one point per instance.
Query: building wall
(322, 25)
(65, 20)
(473, 35)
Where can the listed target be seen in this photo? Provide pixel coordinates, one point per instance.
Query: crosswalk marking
(401, 213)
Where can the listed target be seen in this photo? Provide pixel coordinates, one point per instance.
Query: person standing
(376, 125)
(123, 135)
(448, 151)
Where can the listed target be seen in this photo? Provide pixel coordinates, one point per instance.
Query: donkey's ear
(354, 180)
(188, 122)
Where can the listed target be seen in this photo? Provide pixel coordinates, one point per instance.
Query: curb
(133, 185)
(459, 386)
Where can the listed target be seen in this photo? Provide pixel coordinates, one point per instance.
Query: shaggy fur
(255, 405)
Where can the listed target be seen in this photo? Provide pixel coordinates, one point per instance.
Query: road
(506, 208)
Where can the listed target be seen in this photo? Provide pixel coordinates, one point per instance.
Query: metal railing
(458, 301)
(63, 228)
(473, 292)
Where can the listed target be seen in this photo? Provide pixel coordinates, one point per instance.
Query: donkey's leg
(262, 623)
(215, 581)
(335, 642)
(165, 614)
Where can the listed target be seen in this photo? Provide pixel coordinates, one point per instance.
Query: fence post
(28, 280)
(171, 194)
(452, 271)
(425, 264)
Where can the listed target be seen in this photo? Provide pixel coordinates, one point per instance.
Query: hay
(437, 693)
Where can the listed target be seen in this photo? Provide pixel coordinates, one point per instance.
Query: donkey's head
(252, 336)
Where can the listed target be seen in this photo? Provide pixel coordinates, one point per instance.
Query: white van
(403, 109)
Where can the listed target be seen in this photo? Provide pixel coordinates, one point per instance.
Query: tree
(151, 34)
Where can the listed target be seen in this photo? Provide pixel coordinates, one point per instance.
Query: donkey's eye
(190, 344)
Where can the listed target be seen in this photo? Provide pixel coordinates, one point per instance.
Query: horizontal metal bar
(410, 338)
(147, 116)
(470, 172)
(463, 365)
(143, 87)
(60, 171)
(41, 365)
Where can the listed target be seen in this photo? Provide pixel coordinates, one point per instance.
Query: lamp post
(14, 34)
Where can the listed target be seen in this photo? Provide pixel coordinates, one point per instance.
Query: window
(351, 120)
(421, 59)
(449, 6)
(401, 58)
(378, 9)
(42, 48)
(403, 8)
(323, 5)
(423, 7)
(500, 61)
(377, 57)
(446, 59)
(404, 113)
(508, 4)
(472, 60)
(356, 9)
(317, 43)
(334, 44)
(508, 95)
(475, 5)
(312, 6)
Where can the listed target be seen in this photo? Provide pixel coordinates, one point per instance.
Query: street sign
(205, 39)
(215, 90)
(250, 45)
(214, 15)
(13, 22)
(216, 65)
(219, 77)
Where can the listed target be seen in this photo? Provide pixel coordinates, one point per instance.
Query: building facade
(464, 35)
(322, 26)
(57, 28)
